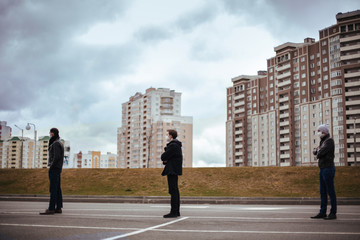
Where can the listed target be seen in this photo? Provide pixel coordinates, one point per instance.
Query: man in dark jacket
(172, 159)
(325, 155)
(55, 164)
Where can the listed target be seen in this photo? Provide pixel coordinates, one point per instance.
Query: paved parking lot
(21, 220)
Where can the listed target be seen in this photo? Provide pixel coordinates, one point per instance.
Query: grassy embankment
(235, 182)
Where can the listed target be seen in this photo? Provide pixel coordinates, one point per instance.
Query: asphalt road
(21, 220)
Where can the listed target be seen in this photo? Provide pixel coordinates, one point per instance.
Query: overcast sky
(71, 64)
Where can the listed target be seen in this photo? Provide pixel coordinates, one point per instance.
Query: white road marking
(181, 206)
(155, 228)
(256, 232)
(57, 226)
(262, 208)
(145, 229)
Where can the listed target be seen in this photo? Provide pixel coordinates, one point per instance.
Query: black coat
(172, 158)
(326, 154)
(56, 155)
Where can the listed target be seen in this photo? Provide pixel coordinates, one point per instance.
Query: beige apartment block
(272, 117)
(145, 121)
(17, 152)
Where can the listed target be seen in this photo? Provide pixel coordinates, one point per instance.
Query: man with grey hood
(325, 155)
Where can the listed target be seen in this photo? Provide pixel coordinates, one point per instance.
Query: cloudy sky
(71, 64)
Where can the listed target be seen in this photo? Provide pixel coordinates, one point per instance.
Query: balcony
(282, 140)
(353, 74)
(238, 139)
(286, 123)
(238, 132)
(240, 110)
(350, 56)
(284, 107)
(352, 112)
(352, 131)
(284, 75)
(351, 103)
(240, 96)
(284, 99)
(284, 115)
(239, 153)
(282, 68)
(352, 93)
(348, 39)
(352, 84)
(282, 148)
(285, 83)
(350, 48)
(237, 104)
(285, 131)
(237, 146)
(284, 164)
(238, 124)
(284, 155)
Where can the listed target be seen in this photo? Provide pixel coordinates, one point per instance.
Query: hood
(175, 141)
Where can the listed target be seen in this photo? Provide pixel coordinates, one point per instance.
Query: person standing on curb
(173, 159)
(325, 155)
(55, 164)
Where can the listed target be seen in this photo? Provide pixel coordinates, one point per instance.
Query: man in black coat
(172, 159)
(55, 164)
(325, 155)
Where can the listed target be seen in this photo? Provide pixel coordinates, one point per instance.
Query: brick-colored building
(272, 117)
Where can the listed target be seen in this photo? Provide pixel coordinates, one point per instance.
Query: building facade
(18, 152)
(94, 159)
(272, 117)
(145, 121)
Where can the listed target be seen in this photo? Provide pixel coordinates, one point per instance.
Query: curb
(184, 200)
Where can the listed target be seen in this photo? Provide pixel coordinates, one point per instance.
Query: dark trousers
(174, 192)
(327, 187)
(56, 200)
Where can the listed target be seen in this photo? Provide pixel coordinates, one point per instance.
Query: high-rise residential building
(272, 117)
(145, 121)
(18, 152)
(94, 159)
(5, 131)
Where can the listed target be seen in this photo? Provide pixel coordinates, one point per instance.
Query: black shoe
(331, 216)
(178, 214)
(58, 210)
(320, 215)
(48, 212)
(171, 215)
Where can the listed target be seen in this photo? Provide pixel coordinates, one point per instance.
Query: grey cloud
(153, 34)
(288, 19)
(200, 16)
(38, 51)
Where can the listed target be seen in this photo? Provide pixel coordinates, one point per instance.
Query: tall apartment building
(145, 121)
(272, 118)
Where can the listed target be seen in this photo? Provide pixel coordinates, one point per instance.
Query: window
(312, 57)
(325, 60)
(326, 77)
(303, 67)
(324, 43)
(303, 92)
(271, 85)
(325, 69)
(303, 59)
(324, 51)
(303, 84)
(303, 75)
(271, 77)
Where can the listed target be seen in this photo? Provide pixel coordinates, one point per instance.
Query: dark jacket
(172, 158)
(56, 155)
(325, 154)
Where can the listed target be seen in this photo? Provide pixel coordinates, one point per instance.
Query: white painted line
(257, 232)
(262, 208)
(57, 226)
(145, 229)
(137, 230)
(181, 207)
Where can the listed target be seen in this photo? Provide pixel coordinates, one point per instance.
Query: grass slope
(235, 182)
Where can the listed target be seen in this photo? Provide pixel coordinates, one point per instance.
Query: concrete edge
(184, 200)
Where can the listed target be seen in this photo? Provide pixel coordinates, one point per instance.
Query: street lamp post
(355, 142)
(22, 145)
(28, 128)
